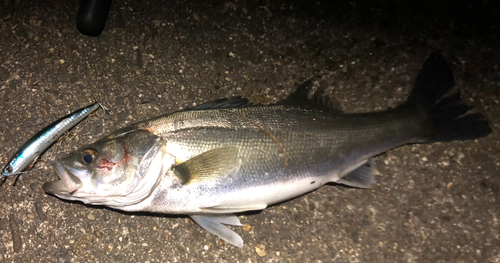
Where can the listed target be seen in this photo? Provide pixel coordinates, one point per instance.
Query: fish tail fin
(451, 123)
(444, 116)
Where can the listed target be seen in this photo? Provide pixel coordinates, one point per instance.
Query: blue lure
(29, 152)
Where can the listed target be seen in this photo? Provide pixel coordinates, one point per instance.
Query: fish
(230, 156)
(28, 153)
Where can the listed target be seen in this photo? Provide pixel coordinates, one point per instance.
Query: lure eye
(88, 156)
(7, 170)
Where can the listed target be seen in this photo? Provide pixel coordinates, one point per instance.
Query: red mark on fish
(106, 164)
(125, 156)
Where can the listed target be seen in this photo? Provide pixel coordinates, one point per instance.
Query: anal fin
(215, 224)
(361, 177)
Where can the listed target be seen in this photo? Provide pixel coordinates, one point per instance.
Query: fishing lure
(29, 152)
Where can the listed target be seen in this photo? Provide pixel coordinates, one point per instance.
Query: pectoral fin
(209, 166)
(214, 224)
(361, 177)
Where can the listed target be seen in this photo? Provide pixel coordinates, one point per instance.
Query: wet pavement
(432, 203)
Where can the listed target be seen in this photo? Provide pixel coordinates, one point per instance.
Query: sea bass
(229, 156)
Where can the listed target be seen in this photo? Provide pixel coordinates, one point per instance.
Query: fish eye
(88, 156)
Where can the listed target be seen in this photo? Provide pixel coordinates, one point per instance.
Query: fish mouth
(67, 184)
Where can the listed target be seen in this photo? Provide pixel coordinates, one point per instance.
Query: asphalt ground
(432, 203)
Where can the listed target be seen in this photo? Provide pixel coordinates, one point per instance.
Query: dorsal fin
(229, 103)
(299, 98)
(318, 101)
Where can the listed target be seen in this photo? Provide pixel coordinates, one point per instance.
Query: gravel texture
(432, 203)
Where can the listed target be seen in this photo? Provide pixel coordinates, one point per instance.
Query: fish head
(118, 170)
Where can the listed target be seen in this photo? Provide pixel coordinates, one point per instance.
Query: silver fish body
(29, 152)
(264, 155)
(217, 160)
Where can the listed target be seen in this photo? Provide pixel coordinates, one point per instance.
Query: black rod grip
(92, 16)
